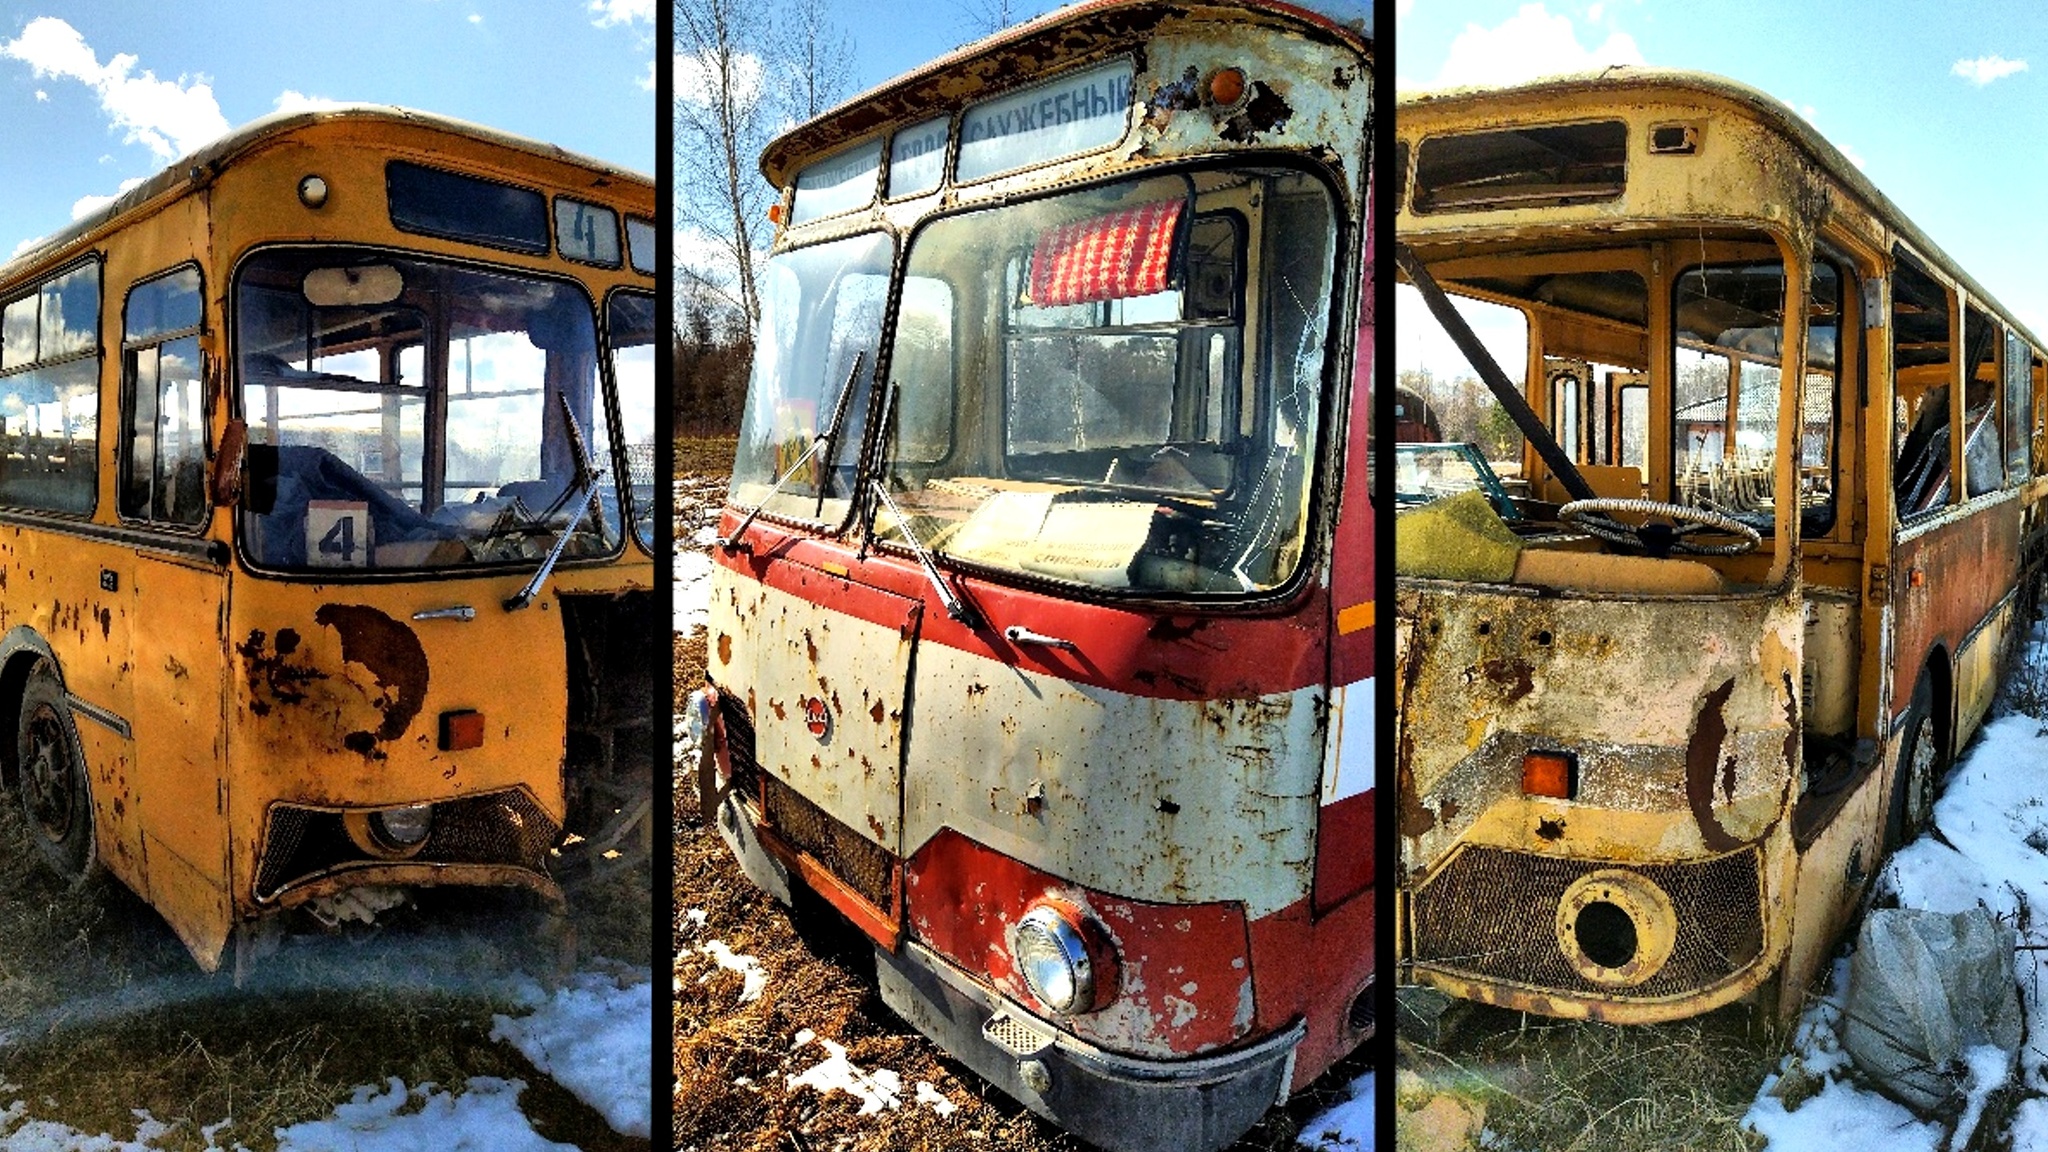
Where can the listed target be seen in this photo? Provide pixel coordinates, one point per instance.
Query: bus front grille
(1491, 915)
(739, 745)
(505, 828)
(865, 866)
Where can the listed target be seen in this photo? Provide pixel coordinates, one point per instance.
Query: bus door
(176, 592)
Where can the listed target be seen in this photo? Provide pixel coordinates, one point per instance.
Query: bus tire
(1921, 765)
(56, 799)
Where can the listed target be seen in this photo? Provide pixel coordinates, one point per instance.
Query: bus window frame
(209, 403)
(434, 420)
(96, 353)
(945, 180)
(622, 476)
(794, 193)
(884, 347)
(1325, 488)
(952, 177)
(653, 232)
(544, 252)
(618, 232)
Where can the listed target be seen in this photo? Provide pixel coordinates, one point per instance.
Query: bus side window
(163, 435)
(1983, 451)
(2019, 409)
(49, 391)
(1920, 374)
(921, 372)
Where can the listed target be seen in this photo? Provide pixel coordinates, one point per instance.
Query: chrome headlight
(1053, 959)
(403, 828)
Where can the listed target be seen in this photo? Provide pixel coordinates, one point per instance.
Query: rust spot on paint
(724, 648)
(976, 689)
(1702, 752)
(273, 679)
(1514, 676)
(775, 706)
(106, 623)
(1550, 829)
(1791, 721)
(392, 654)
(876, 712)
(810, 646)
(875, 825)
(1266, 112)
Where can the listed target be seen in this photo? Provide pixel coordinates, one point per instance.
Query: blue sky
(1944, 106)
(93, 95)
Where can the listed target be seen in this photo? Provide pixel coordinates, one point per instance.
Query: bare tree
(721, 125)
(818, 55)
(988, 17)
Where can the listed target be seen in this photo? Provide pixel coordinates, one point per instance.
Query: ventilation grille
(496, 828)
(1491, 914)
(864, 866)
(739, 746)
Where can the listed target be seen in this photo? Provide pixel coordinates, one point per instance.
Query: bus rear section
(1692, 600)
(1040, 639)
(374, 385)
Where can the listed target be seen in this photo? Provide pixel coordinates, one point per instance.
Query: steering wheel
(1595, 517)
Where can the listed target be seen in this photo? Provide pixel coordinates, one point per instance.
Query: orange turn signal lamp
(462, 729)
(1226, 87)
(1552, 774)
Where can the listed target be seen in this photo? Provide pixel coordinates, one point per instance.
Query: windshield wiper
(956, 607)
(587, 476)
(830, 435)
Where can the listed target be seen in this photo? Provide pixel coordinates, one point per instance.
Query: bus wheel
(54, 794)
(1921, 765)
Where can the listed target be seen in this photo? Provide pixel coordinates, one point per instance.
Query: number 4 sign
(338, 533)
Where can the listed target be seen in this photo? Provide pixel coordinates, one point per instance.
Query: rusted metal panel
(1683, 715)
(1183, 981)
(1023, 762)
(1947, 576)
(1052, 44)
(825, 688)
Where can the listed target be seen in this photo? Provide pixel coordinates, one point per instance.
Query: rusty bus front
(312, 619)
(1044, 584)
(1662, 706)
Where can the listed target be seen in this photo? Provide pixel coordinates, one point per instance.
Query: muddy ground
(734, 1058)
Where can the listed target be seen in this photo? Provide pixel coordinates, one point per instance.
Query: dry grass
(1567, 1086)
(103, 1010)
(732, 1059)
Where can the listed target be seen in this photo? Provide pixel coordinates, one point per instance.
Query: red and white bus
(1041, 635)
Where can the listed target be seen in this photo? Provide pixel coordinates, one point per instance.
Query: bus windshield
(1117, 387)
(405, 413)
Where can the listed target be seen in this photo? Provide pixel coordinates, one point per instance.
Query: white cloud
(290, 100)
(1531, 43)
(610, 12)
(697, 78)
(647, 81)
(42, 97)
(87, 205)
(1984, 69)
(25, 245)
(169, 117)
(476, 17)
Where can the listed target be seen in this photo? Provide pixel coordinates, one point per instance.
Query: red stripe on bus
(1205, 655)
(1344, 832)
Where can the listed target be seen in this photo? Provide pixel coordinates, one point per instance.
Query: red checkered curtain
(1115, 256)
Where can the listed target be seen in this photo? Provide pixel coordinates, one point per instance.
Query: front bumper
(1119, 1103)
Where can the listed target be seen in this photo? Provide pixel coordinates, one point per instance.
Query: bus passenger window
(2019, 409)
(163, 449)
(1983, 450)
(1921, 368)
(49, 394)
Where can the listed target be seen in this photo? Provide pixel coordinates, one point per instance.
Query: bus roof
(218, 154)
(1768, 110)
(1030, 49)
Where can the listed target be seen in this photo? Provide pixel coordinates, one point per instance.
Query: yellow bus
(1684, 651)
(326, 519)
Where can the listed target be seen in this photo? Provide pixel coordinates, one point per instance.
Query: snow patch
(876, 1090)
(749, 968)
(595, 1038)
(486, 1118)
(1347, 1125)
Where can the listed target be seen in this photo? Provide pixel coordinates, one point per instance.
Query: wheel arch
(21, 649)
